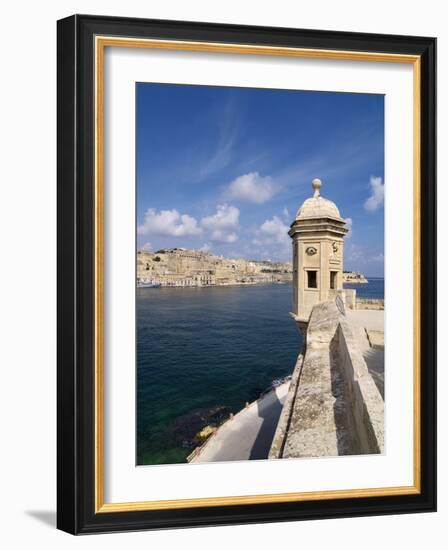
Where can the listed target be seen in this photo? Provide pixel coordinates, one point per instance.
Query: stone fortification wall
(365, 414)
(369, 303)
(285, 417)
(333, 406)
(347, 295)
(182, 267)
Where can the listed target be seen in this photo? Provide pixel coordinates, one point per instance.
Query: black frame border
(76, 263)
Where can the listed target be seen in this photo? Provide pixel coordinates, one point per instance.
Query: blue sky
(225, 169)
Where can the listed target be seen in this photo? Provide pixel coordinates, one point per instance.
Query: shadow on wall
(354, 430)
(345, 429)
(269, 409)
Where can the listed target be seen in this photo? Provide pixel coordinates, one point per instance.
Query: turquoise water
(203, 352)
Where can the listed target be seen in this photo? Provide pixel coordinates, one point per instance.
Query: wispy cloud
(221, 155)
(336, 163)
(252, 188)
(376, 198)
(219, 159)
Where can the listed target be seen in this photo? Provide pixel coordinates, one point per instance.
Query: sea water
(373, 289)
(204, 352)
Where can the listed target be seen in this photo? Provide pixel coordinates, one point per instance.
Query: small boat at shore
(148, 285)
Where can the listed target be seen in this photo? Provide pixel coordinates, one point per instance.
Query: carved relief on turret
(312, 252)
(335, 254)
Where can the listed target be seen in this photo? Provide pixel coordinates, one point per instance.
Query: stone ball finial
(317, 184)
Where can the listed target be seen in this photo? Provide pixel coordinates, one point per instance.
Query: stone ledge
(333, 406)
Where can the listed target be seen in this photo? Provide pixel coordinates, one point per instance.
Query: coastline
(244, 420)
(214, 285)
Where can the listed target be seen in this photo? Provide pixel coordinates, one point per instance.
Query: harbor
(181, 267)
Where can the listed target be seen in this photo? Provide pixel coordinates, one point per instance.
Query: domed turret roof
(317, 206)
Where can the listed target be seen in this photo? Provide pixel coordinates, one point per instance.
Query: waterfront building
(181, 267)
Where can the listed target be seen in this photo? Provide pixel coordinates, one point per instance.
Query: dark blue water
(373, 289)
(205, 350)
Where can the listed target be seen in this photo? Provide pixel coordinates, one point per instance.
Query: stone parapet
(366, 406)
(333, 406)
(285, 417)
(369, 303)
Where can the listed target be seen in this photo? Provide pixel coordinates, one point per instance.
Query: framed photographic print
(246, 274)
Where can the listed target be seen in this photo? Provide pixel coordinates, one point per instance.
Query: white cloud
(252, 188)
(220, 236)
(376, 198)
(222, 226)
(168, 222)
(272, 240)
(286, 213)
(274, 228)
(147, 247)
(272, 231)
(349, 226)
(206, 247)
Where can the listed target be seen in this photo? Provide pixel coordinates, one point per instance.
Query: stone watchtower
(317, 234)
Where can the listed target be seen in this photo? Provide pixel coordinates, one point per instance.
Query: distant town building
(181, 267)
(354, 277)
(317, 234)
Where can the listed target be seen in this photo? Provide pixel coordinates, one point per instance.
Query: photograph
(260, 281)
